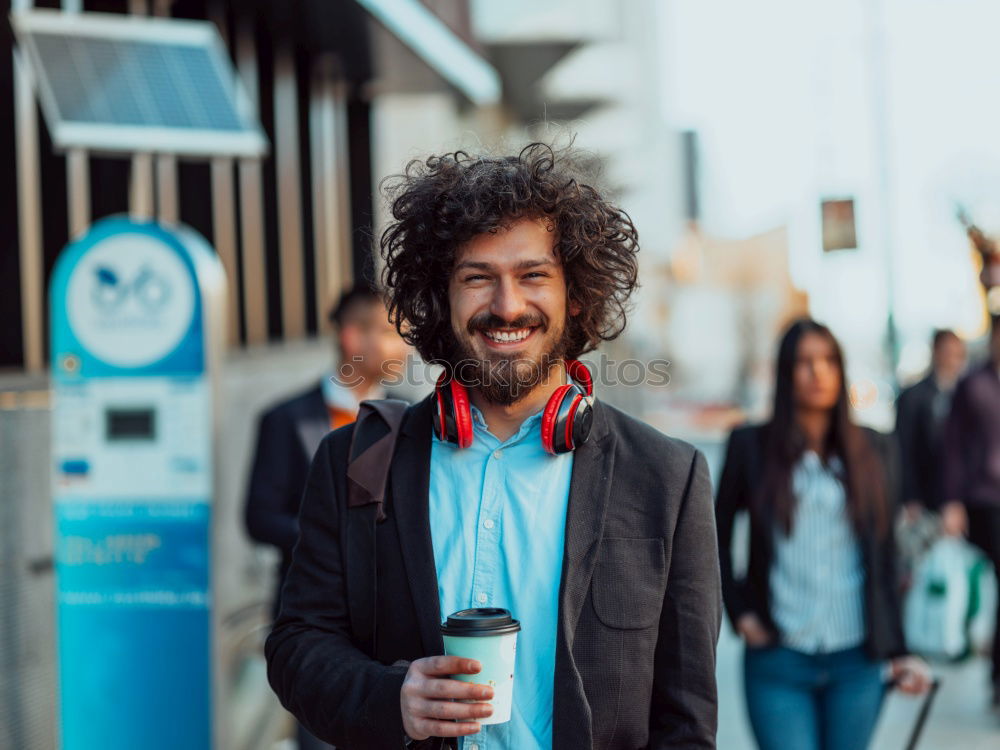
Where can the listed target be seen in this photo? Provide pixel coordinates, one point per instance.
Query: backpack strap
(373, 442)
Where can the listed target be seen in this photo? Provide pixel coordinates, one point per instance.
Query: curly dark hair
(443, 202)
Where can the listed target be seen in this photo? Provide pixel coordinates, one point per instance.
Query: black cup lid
(482, 621)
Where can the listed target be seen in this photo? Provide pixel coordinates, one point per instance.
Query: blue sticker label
(134, 619)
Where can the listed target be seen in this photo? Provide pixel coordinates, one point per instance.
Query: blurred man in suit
(972, 467)
(369, 350)
(921, 411)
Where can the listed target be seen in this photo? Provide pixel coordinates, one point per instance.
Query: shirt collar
(810, 460)
(339, 396)
(529, 425)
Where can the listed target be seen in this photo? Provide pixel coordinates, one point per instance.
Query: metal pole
(289, 186)
(78, 191)
(883, 145)
(224, 211)
(29, 207)
(140, 193)
(339, 167)
(251, 200)
(77, 169)
(167, 210)
(321, 142)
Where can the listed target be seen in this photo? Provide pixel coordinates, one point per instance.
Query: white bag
(937, 606)
(982, 624)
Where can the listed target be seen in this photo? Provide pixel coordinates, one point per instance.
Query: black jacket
(921, 412)
(972, 442)
(741, 476)
(287, 437)
(639, 598)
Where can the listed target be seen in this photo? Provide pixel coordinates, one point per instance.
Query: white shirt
(336, 395)
(817, 579)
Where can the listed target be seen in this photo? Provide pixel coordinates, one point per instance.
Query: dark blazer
(972, 445)
(920, 422)
(287, 437)
(639, 598)
(741, 476)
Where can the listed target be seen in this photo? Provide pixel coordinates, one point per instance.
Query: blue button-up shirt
(498, 517)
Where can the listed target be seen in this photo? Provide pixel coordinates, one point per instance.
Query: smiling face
(507, 294)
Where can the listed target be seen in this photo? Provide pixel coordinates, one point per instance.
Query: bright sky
(795, 100)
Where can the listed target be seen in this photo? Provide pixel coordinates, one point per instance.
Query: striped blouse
(817, 578)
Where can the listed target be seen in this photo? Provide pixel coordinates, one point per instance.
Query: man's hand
(428, 697)
(752, 630)
(954, 519)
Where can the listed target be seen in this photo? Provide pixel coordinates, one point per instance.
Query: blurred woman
(818, 608)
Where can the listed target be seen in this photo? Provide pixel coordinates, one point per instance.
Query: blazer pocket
(628, 583)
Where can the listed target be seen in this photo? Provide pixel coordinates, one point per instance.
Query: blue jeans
(800, 701)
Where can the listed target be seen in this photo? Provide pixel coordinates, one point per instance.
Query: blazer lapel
(589, 490)
(313, 425)
(311, 433)
(410, 478)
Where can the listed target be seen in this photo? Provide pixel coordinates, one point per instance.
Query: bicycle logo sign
(111, 291)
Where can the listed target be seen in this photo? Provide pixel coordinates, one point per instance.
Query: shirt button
(498, 454)
(473, 746)
(482, 598)
(488, 523)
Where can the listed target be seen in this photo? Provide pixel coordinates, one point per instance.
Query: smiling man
(510, 487)
(509, 341)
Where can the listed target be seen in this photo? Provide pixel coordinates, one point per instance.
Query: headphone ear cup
(443, 420)
(453, 418)
(571, 426)
(580, 375)
(462, 413)
(550, 417)
(580, 418)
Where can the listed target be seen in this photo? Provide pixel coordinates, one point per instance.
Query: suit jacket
(741, 476)
(920, 432)
(287, 437)
(639, 597)
(972, 440)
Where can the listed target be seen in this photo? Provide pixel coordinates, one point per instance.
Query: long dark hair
(864, 479)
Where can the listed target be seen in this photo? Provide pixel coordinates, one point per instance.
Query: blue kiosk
(137, 332)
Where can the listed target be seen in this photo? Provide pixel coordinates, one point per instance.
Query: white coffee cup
(489, 636)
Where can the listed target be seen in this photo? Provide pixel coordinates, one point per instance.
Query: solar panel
(125, 83)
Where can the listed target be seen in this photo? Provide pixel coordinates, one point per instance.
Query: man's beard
(504, 379)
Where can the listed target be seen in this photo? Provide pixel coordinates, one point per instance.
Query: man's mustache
(485, 321)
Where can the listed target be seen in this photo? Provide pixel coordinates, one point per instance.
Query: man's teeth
(506, 337)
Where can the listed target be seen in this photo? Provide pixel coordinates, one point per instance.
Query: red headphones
(565, 422)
